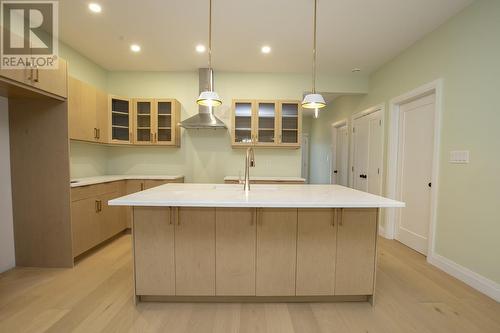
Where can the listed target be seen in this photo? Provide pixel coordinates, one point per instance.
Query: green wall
(465, 53)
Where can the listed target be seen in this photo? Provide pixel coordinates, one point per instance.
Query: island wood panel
(276, 251)
(356, 249)
(235, 251)
(39, 152)
(316, 250)
(195, 251)
(154, 251)
(150, 183)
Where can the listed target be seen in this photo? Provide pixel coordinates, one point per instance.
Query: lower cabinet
(154, 251)
(356, 249)
(235, 251)
(85, 224)
(194, 251)
(92, 219)
(316, 251)
(276, 251)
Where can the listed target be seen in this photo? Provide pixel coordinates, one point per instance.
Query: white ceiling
(351, 33)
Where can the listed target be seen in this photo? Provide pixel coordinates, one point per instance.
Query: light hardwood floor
(96, 296)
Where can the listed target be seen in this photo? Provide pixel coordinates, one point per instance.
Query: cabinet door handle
(96, 206)
(30, 75)
(340, 216)
(37, 74)
(155, 139)
(171, 216)
(142, 186)
(177, 215)
(334, 216)
(95, 133)
(98, 133)
(100, 205)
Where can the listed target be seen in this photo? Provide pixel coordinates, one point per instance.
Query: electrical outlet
(459, 156)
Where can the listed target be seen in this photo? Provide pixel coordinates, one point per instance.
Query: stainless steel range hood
(205, 117)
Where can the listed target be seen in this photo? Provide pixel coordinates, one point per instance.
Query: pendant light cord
(210, 72)
(314, 49)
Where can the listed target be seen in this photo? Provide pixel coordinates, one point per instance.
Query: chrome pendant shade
(314, 100)
(209, 97)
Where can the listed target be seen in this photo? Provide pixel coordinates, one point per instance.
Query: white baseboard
(480, 283)
(382, 232)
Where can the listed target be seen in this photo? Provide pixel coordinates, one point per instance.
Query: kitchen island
(215, 242)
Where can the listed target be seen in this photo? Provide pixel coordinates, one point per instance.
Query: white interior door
(341, 161)
(367, 152)
(416, 147)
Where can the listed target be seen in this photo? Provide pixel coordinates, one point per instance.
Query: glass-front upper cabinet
(143, 121)
(266, 122)
(243, 122)
(291, 123)
(121, 120)
(165, 121)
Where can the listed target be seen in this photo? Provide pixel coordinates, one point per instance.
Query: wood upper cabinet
(53, 81)
(156, 122)
(154, 251)
(276, 251)
(356, 246)
(194, 251)
(266, 123)
(235, 251)
(87, 112)
(121, 120)
(316, 251)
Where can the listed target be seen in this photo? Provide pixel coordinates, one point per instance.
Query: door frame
(305, 148)
(381, 108)
(393, 157)
(333, 151)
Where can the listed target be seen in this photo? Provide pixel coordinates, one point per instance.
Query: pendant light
(313, 100)
(209, 97)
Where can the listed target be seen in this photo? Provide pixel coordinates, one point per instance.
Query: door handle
(430, 184)
(335, 171)
(363, 176)
(37, 74)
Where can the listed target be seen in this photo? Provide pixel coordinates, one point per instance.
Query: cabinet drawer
(83, 192)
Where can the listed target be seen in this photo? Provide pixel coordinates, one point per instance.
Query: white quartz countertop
(233, 195)
(76, 182)
(270, 179)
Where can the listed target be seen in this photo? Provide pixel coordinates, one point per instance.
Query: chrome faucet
(249, 163)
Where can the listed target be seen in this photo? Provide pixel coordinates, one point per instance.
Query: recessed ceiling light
(95, 7)
(355, 70)
(265, 49)
(200, 48)
(135, 48)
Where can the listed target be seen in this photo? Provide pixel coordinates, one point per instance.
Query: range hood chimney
(205, 117)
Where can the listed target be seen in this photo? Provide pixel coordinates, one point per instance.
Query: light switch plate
(459, 156)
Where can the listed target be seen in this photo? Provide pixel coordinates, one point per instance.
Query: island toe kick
(213, 254)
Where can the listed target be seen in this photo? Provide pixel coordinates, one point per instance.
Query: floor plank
(96, 296)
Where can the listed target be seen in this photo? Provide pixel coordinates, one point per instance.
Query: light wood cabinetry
(121, 120)
(194, 251)
(155, 273)
(356, 250)
(235, 251)
(87, 112)
(93, 220)
(156, 122)
(266, 123)
(316, 251)
(276, 251)
(50, 81)
(243, 253)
